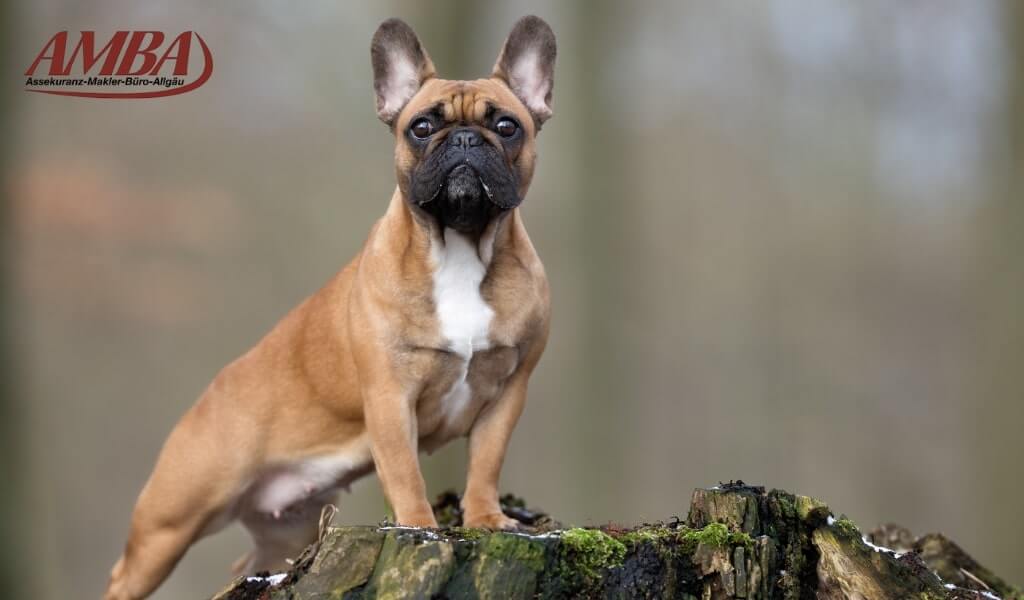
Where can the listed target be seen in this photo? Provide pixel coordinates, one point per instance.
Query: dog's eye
(506, 127)
(422, 128)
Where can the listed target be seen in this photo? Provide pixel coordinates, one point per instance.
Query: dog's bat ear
(400, 66)
(527, 65)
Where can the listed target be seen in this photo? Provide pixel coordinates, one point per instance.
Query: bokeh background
(785, 241)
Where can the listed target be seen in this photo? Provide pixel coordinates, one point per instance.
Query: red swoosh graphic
(205, 75)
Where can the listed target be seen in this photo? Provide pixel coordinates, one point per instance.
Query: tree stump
(738, 541)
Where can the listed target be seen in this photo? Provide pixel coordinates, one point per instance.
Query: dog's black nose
(465, 137)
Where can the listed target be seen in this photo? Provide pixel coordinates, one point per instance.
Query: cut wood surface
(738, 541)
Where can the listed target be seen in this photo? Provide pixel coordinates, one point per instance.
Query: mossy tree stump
(737, 542)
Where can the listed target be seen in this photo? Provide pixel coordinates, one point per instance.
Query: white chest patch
(464, 315)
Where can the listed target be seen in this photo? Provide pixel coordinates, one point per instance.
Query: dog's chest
(464, 318)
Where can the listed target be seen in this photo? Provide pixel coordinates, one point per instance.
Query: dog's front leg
(391, 423)
(488, 441)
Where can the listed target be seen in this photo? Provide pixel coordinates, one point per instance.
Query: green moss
(471, 534)
(655, 535)
(497, 565)
(507, 546)
(805, 506)
(786, 505)
(715, 535)
(847, 528)
(589, 551)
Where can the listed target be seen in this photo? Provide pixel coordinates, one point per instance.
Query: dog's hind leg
(161, 532)
(191, 493)
(278, 538)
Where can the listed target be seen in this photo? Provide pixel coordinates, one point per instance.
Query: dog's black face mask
(463, 179)
(465, 149)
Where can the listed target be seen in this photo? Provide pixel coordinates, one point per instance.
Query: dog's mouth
(462, 201)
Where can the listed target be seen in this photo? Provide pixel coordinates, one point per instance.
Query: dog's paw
(496, 521)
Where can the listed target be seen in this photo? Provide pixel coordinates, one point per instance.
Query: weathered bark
(737, 542)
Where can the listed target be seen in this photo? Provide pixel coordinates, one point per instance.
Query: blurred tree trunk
(1000, 412)
(10, 501)
(604, 405)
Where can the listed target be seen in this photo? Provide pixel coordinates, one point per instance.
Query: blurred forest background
(785, 243)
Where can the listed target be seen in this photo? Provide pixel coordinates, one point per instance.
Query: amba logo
(132, 64)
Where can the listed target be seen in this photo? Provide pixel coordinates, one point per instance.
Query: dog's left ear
(400, 66)
(527, 65)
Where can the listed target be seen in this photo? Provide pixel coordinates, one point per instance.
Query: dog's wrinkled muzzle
(464, 205)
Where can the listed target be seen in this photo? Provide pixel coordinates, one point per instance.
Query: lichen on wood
(737, 541)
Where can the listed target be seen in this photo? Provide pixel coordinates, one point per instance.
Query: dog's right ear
(400, 66)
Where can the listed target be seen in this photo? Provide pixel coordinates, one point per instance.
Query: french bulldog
(429, 334)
